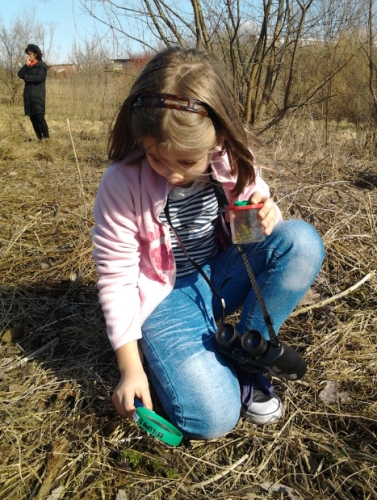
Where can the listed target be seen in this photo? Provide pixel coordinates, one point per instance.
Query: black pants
(39, 125)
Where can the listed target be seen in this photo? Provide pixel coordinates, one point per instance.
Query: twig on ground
(334, 297)
(220, 474)
(78, 167)
(31, 356)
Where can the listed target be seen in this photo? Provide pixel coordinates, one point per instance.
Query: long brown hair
(189, 73)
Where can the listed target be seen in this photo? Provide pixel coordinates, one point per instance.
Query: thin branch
(168, 23)
(220, 474)
(119, 30)
(31, 356)
(334, 297)
(78, 167)
(156, 23)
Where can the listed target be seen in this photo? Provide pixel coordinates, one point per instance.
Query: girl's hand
(131, 386)
(28, 61)
(133, 380)
(267, 213)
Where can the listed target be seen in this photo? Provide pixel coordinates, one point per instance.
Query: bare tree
(263, 43)
(22, 30)
(370, 52)
(89, 55)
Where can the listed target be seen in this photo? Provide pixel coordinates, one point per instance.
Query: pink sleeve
(117, 254)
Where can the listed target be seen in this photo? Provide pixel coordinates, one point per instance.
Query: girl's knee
(302, 239)
(211, 421)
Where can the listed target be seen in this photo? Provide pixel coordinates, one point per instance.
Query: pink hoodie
(135, 263)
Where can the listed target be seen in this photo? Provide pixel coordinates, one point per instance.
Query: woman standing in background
(34, 73)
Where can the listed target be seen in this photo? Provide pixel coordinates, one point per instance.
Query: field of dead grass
(60, 436)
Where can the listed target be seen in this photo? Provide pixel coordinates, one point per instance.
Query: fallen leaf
(16, 388)
(279, 488)
(7, 337)
(332, 394)
(121, 495)
(6, 361)
(13, 349)
(29, 370)
(56, 493)
(13, 334)
(311, 297)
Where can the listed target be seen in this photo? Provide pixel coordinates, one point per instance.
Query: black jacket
(35, 88)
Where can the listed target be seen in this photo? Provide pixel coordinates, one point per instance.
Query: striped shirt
(193, 213)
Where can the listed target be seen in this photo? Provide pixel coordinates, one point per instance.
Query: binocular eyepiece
(253, 352)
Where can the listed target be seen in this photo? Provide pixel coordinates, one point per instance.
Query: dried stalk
(334, 297)
(31, 356)
(220, 474)
(78, 166)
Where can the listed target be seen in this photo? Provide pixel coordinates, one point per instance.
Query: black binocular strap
(258, 294)
(220, 195)
(195, 264)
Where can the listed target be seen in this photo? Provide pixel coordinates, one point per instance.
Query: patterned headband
(171, 101)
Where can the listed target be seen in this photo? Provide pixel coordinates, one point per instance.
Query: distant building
(121, 64)
(112, 65)
(62, 70)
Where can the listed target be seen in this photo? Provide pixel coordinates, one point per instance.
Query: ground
(60, 435)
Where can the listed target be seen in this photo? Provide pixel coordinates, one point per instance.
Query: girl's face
(179, 168)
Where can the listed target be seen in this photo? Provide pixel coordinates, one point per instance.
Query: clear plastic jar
(244, 222)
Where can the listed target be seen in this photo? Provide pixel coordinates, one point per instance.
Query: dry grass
(58, 428)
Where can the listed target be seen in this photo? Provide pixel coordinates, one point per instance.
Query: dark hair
(35, 50)
(194, 74)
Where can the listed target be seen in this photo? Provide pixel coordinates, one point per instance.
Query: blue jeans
(196, 385)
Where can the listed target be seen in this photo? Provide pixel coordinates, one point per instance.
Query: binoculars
(253, 352)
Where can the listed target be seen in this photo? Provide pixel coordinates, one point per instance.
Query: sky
(72, 24)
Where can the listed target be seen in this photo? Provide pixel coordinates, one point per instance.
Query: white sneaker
(264, 409)
(260, 404)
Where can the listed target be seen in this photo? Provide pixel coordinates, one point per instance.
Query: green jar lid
(241, 203)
